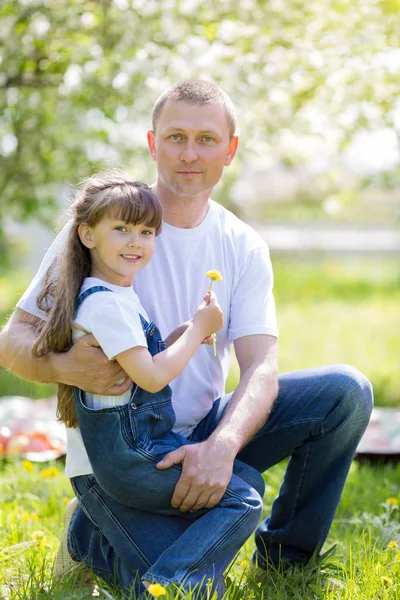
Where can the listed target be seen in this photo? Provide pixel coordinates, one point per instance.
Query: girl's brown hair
(103, 194)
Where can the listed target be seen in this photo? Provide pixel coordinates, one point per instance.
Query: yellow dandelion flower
(392, 544)
(34, 517)
(26, 516)
(392, 501)
(48, 473)
(27, 465)
(40, 538)
(244, 564)
(214, 275)
(386, 580)
(157, 590)
(66, 500)
(397, 556)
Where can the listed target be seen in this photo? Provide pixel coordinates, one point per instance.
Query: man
(317, 417)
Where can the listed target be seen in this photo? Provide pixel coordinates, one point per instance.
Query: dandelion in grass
(37, 535)
(397, 556)
(49, 473)
(392, 544)
(392, 501)
(40, 538)
(214, 275)
(157, 590)
(27, 465)
(244, 564)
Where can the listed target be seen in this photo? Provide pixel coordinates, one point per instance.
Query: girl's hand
(209, 316)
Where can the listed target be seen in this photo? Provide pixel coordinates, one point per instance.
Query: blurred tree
(78, 79)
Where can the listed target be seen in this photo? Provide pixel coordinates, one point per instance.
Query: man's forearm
(248, 408)
(253, 398)
(16, 341)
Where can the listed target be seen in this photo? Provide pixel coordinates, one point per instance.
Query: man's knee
(353, 387)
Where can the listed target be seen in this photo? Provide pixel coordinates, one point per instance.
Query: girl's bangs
(136, 207)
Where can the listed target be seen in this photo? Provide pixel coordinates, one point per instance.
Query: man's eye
(175, 136)
(207, 138)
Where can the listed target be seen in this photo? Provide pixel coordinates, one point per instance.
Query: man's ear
(151, 141)
(85, 235)
(233, 145)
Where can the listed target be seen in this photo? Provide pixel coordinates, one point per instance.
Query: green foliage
(79, 77)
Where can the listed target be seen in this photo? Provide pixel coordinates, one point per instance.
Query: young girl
(114, 224)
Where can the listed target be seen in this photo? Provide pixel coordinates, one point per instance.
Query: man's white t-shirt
(172, 285)
(113, 318)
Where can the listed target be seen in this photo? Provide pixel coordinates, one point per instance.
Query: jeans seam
(299, 486)
(118, 525)
(222, 539)
(282, 427)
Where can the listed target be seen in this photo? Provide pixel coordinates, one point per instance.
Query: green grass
(33, 503)
(340, 311)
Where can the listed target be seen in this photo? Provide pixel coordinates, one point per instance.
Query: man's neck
(185, 212)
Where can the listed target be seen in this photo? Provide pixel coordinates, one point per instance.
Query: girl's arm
(152, 373)
(178, 331)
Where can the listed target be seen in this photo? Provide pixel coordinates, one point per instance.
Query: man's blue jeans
(317, 420)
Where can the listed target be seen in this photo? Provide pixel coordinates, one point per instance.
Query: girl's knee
(250, 475)
(254, 501)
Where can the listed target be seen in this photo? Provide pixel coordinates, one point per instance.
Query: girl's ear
(85, 235)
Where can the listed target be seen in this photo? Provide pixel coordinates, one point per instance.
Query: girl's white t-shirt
(172, 285)
(113, 318)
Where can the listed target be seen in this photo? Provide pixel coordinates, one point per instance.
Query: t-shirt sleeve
(252, 305)
(28, 300)
(115, 326)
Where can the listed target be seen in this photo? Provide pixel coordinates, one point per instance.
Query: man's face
(191, 145)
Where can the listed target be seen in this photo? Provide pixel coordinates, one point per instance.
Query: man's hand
(206, 473)
(86, 366)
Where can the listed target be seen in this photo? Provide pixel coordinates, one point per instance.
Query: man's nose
(189, 153)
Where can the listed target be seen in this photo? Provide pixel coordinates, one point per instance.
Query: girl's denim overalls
(124, 443)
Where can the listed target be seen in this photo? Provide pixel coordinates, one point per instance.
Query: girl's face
(118, 249)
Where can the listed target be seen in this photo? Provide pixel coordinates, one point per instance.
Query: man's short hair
(197, 91)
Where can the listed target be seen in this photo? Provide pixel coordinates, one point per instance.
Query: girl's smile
(118, 249)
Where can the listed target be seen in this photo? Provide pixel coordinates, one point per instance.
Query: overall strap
(144, 323)
(82, 297)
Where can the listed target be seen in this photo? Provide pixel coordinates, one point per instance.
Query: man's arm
(84, 366)
(207, 466)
